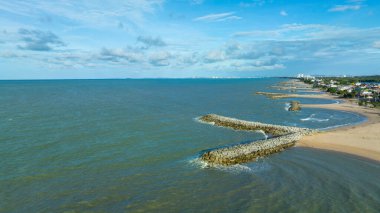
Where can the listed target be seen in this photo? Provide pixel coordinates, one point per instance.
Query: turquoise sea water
(131, 145)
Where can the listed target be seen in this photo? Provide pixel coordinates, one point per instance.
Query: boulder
(294, 106)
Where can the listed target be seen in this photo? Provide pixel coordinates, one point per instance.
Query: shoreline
(361, 139)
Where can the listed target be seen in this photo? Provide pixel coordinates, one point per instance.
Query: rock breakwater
(272, 95)
(283, 137)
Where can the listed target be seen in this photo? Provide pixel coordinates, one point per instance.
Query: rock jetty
(283, 137)
(272, 95)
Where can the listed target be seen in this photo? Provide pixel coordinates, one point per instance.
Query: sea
(132, 145)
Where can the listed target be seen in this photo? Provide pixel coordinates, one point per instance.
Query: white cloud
(37, 40)
(342, 8)
(119, 55)
(214, 56)
(283, 13)
(238, 65)
(291, 32)
(350, 5)
(196, 1)
(356, 1)
(160, 58)
(93, 14)
(218, 17)
(11, 54)
(265, 34)
(376, 44)
(253, 3)
(150, 41)
(272, 51)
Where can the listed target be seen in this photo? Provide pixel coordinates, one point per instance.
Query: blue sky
(188, 38)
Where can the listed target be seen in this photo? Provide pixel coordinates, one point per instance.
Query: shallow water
(131, 145)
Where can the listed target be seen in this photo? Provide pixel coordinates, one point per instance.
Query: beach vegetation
(365, 89)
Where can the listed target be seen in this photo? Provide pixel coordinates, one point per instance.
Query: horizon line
(163, 78)
(40, 79)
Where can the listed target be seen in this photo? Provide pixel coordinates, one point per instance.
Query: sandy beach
(362, 140)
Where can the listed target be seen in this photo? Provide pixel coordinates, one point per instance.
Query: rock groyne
(272, 95)
(283, 137)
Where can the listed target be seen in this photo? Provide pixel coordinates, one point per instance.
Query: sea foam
(287, 106)
(254, 167)
(312, 118)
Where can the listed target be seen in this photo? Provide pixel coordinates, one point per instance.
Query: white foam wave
(197, 162)
(312, 118)
(198, 119)
(287, 106)
(342, 125)
(263, 132)
(253, 167)
(238, 168)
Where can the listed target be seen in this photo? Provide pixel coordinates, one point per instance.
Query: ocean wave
(312, 118)
(253, 167)
(287, 123)
(197, 119)
(342, 125)
(287, 106)
(263, 132)
(236, 169)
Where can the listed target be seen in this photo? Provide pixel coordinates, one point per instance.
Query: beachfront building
(367, 93)
(307, 77)
(347, 88)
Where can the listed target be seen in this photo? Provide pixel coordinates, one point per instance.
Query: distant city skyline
(188, 38)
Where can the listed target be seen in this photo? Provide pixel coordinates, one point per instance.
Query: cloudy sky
(187, 38)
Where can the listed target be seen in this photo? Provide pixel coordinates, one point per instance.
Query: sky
(62, 39)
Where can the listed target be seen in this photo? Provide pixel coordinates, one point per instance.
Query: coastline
(362, 139)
